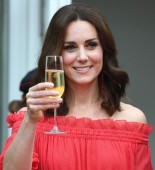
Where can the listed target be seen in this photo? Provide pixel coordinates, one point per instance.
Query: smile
(82, 68)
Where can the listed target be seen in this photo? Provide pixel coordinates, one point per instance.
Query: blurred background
(22, 28)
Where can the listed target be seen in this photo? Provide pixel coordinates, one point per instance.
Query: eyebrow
(89, 40)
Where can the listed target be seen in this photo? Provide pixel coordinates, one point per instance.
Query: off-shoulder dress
(103, 144)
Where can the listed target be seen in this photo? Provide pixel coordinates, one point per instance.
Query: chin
(84, 82)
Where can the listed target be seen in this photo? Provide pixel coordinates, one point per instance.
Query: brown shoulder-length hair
(112, 80)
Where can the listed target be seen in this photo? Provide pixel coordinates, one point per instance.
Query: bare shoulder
(24, 109)
(132, 114)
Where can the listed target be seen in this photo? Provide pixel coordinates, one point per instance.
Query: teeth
(82, 68)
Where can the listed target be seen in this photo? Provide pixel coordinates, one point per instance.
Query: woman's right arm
(20, 152)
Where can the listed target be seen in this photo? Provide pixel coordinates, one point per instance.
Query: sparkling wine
(57, 78)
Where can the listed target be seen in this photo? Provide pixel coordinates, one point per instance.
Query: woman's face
(82, 53)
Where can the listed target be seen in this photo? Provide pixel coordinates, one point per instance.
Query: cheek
(98, 59)
(97, 56)
(68, 59)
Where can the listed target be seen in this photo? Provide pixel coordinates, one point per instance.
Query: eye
(92, 45)
(70, 48)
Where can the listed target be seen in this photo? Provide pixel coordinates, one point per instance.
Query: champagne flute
(54, 73)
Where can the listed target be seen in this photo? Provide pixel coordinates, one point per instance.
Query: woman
(102, 132)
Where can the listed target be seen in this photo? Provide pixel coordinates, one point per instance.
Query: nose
(82, 55)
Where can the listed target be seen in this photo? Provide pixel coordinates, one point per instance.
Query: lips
(82, 68)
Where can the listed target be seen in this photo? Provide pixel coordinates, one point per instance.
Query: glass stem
(55, 119)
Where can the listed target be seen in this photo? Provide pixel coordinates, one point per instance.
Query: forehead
(80, 29)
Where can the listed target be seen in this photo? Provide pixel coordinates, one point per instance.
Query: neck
(84, 93)
(84, 100)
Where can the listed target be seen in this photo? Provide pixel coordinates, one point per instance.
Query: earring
(102, 83)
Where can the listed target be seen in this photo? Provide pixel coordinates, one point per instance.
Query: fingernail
(50, 84)
(60, 99)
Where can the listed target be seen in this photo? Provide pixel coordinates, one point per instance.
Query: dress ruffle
(101, 124)
(74, 122)
(12, 118)
(86, 126)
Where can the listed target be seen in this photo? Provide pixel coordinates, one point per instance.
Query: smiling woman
(82, 54)
(97, 123)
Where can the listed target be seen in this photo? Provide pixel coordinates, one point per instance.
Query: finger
(41, 86)
(36, 108)
(41, 94)
(43, 101)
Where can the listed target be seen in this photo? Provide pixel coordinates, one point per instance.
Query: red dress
(89, 144)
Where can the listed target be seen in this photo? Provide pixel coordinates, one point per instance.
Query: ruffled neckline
(85, 123)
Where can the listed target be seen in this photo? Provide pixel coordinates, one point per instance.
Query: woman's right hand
(39, 100)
